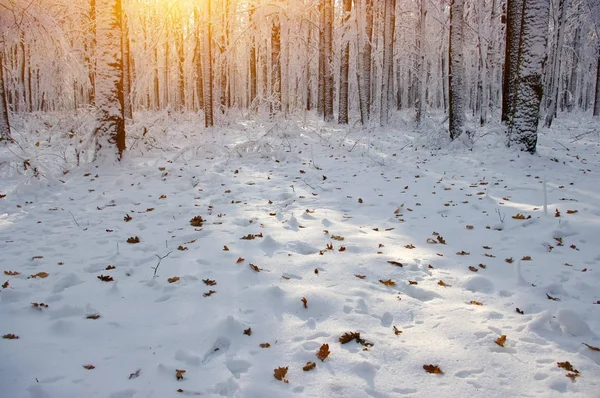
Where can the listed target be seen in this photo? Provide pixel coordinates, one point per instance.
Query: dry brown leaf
(37, 257)
(39, 306)
(573, 376)
(397, 263)
(248, 332)
(89, 367)
(388, 282)
(133, 239)
(397, 331)
(240, 260)
(109, 267)
(519, 311)
(489, 255)
(501, 340)
(572, 211)
(342, 248)
(280, 373)
(254, 267)
(209, 282)
(225, 248)
(265, 345)
(360, 200)
(567, 366)
(323, 352)
(135, 374)
(179, 373)
(127, 218)
(182, 248)
(304, 302)
(11, 273)
(10, 336)
(520, 216)
(5, 285)
(93, 316)
(526, 258)
(348, 337)
(473, 269)
(173, 279)
(410, 246)
(433, 369)
(444, 284)
(509, 260)
(556, 213)
(463, 253)
(337, 237)
(209, 293)
(469, 227)
(591, 347)
(360, 276)
(309, 366)
(473, 302)
(197, 221)
(552, 298)
(105, 278)
(39, 275)
(487, 247)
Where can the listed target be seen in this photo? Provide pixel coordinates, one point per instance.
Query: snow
(290, 182)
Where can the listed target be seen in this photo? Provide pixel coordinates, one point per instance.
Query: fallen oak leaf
(473, 302)
(280, 373)
(209, 282)
(265, 345)
(5, 285)
(240, 260)
(519, 311)
(573, 376)
(433, 369)
(388, 282)
(255, 268)
(304, 302)
(39, 306)
(359, 276)
(197, 221)
(397, 263)
(309, 366)
(225, 248)
(444, 284)
(127, 218)
(135, 374)
(173, 279)
(526, 258)
(133, 239)
(209, 293)
(501, 340)
(39, 275)
(105, 278)
(397, 331)
(248, 332)
(11, 273)
(410, 246)
(463, 253)
(179, 373)
(323, 352)
(412, 282)
(10, 336)
(89, 367)
(473, 269)
(552, 298)
(93, 316)
(567, 366)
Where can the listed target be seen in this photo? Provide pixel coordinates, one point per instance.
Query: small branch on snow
(159, 261)
(74, 219)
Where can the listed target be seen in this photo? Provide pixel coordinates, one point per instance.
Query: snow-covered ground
(329, 215)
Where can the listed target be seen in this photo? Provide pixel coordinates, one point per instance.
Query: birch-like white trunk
(457, 71)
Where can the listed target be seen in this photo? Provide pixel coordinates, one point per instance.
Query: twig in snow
(159, 260)
(74, 219)
(500, 216)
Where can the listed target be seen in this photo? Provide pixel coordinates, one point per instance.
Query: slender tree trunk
(275, 66)
(253, 75)
(457, 71)
(514, 16)
(344, 68)
(91, 53)
(179, 43)
(127, 107)
(597, 92)
(388, 61)
(555, 79)
(327, 28)
(532, 54)
(4, 120)
(198, 59)
(321, 83)
(367, 55)
(110, 134)
(207, 69)
(421, 83)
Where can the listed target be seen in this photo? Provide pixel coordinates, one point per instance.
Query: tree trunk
(327, 28)
(532, 55)
(388, 60)
(421, 83)
(367, 55)
(514, 16)
(253, 75)
(180, 45)
(552, 108)
(207, 69)
(127, 107)
(198, 59)
(344, 68)
(110, 134)
(4, 121)
(275, 66)
(457, 70)
(597, 93)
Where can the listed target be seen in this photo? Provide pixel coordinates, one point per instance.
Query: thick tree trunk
(514, 16)
(344, 68)
(207, 69)
(110, 134)
(388, 61)
(457, 70)
(532, 55)
(4, 120)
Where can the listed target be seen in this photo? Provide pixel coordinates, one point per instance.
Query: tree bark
(532, 56)
(514, 16)
(597, 92)
(110, 134)
(207, 69)
(457, 72)
(555, 79)
(344, 68)
(253, 75)
(327, 29)
(4, 120)
(275, 66)
(127, 106)
(388, 60)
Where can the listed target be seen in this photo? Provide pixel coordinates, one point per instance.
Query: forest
(299, 198)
